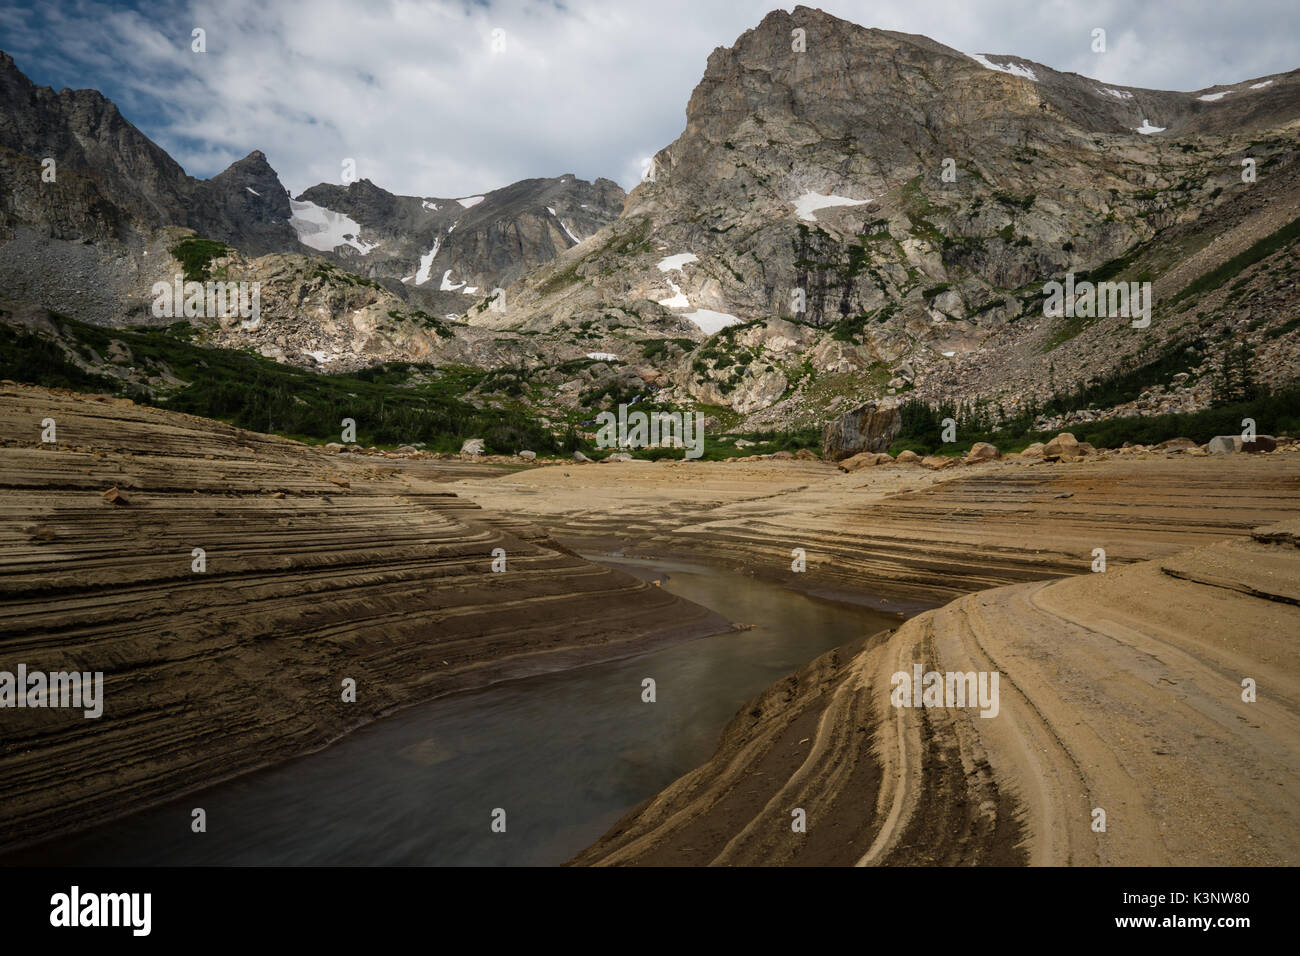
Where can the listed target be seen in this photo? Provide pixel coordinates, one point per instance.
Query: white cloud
(411, 90)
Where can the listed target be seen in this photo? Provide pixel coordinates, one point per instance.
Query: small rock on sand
(866, 459)
(115, 497)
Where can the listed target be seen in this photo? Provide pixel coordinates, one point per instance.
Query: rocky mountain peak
(882, 207)
(245, 205)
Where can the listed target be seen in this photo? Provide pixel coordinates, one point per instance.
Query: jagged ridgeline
(864, 216)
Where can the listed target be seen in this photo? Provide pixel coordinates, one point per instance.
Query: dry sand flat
(1120, 691)
(319, 567)
(899, 531)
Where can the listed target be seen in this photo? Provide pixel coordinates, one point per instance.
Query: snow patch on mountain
(1015, 69)
(710, 321)
(1146, 128)
(325, 230)
(670, 263)
(470, 201)
(678, 299)
(808, 204)
(426, 263)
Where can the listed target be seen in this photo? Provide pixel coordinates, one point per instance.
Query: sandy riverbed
(1120, 691)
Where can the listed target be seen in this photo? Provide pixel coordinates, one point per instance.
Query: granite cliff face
(113, 182)
(888, 210)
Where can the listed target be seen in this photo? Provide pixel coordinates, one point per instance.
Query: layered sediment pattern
(903, 532)
(1120, 692)
(317, 568)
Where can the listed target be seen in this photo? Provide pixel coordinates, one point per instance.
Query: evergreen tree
(1236, 380)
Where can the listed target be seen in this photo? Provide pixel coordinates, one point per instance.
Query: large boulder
(1176, 445)
(528, 455)
(1063, 445)
(908, 457)
(982, 451)
(937, 462)
(472, 446)
(1033, 451)
(1224, 445)
(873, 427)
(1261, 443)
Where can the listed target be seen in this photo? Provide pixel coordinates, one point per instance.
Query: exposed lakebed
(564, 754)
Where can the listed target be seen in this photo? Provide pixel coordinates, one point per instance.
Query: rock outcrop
(870, 428)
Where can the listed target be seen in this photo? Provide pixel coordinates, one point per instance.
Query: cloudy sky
(415, 92)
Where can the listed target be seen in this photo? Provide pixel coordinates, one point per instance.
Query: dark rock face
(871, 428)
(101, 158)
(248, 205)
(113, 182)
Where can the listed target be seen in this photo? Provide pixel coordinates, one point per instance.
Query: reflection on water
(565, 755)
